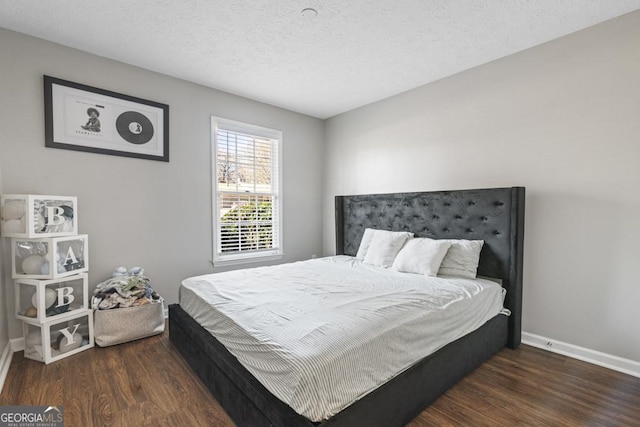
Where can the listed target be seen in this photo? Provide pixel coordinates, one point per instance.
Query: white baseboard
(609, 361)
(5, 362)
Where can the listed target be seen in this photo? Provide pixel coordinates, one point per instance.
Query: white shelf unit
(49, 261)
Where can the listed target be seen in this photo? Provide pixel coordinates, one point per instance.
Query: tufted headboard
(495, 215)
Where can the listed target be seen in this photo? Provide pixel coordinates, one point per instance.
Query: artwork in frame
(85, 118)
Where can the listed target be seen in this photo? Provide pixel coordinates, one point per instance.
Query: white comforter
(322, 333)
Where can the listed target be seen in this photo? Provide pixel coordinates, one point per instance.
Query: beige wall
(141, 212)
(562, 119)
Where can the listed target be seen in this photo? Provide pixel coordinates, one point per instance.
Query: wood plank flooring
(147, 383)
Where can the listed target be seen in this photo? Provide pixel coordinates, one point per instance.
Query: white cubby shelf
(59, 338)
(49, 258)
(33, 216)
(43, 300)
(49, 261)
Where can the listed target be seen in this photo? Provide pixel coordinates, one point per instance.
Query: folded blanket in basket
(124, 290)
(126, 308)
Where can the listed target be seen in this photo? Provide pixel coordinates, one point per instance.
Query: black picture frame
(85, 118)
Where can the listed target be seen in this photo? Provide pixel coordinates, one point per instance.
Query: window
(247, 197)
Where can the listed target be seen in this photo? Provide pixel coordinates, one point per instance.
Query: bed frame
(494, 215)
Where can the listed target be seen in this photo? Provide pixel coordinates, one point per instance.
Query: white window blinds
(247, 191)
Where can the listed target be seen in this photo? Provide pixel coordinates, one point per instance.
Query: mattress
(321, 334)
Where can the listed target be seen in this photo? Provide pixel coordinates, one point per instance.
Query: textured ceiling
(352, 53)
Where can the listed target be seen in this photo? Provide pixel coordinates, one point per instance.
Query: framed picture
(85, 118)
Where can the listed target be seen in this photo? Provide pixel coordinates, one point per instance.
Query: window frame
(220, 259)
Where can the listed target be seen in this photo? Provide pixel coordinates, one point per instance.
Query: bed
(493, 215)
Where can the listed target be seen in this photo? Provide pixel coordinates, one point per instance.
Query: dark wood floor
(146, 383)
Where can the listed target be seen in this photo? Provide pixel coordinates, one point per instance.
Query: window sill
(246, 260)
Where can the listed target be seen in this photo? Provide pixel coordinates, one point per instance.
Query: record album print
(134, 127)
(85, 118)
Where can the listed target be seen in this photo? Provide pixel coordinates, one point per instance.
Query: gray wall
(562, 119)
(5, 306)
(141, 212)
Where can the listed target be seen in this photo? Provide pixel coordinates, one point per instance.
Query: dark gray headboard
(495, 215)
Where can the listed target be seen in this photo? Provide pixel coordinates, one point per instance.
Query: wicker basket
(120, 325)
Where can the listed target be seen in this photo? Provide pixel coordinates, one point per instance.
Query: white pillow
(421, 256)
(368, 236)
(462, 258)
(384, 247)
(365, 242)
